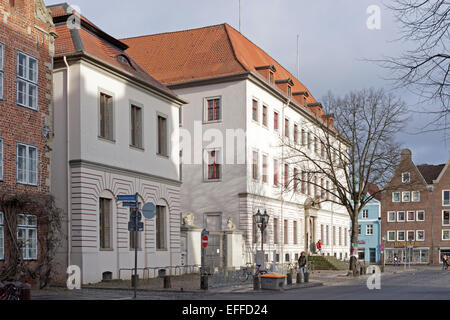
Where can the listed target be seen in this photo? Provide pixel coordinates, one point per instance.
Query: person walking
(319, 247)
(302, 262)
(395, 260)
(444, 262)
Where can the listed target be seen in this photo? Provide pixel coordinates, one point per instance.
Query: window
(446, 197)
(420, 235)
(446, 217)
(275, 121)
(133, 236)
(391, 216)
(316, 146)
(27, 235)
(365, 214)
(1, 69)
(406, 196)
(303, 137)
(286, 175)
(345, 236)
(420, 215)
(308, 185)
(106, 117)
(27, 81)
(295, 133)
(395, 196)
(405, 177)
(391, 235)
(294, 232)
(264, 168)
(410, 215)
(322, 149)
(295, 178)
(255, 165)
(1, 159)
(286, 235)
(400, 235)
(214, 110)
(400, 216)
(410, 235)
(161, 228)
(27, 164)
(322, 191)
(315, 186)
(136, 126)
(369, 229)
(334, 235)
(289, 91)
(271, 77)
(445, 234)
(162, 136)
(286, 128)
(328, 191)
(264, 119)
(303, 182)
(340, 236)
(359, 229)
(321, 233)
(416, 196)
(105, 223)
(255, 110)
(309, 141)
(2, 237)
(328, 235)
(275, 230)
(214, 167)
(275, 172)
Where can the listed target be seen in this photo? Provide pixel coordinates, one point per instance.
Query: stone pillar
(193, 244)
(233, 249)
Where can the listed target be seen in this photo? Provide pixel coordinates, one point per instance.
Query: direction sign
(205, 241)
(149, 210)
(130, 204)
(132, 197)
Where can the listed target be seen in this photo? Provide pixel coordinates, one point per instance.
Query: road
(424, 284)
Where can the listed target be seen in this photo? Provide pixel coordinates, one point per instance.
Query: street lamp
(261, 221)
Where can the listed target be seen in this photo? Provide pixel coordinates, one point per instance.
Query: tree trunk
(353, 240)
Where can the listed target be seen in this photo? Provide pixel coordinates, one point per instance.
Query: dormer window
(289, 91)
(405, 177)
(124, 60)
(271, 77)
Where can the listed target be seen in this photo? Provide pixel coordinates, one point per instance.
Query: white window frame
(445, 224)
(444, 230)
(205, 109)
(412, 196)
(27, 227)
(409, 177)
(1, 159)
(2, 237)
(403, 196)
(257, 110)
(407, 216)
(414, 235)
(27, 165)
(206, 153)
(443, 199)
(371, 230)
(399, 196)
(365, 214)
(417, 215)
(388, 216)
(2, 69)
(398, 233)
(417, 235)
(258, 175)
(29, 82)
(395, 236)
(398, 215)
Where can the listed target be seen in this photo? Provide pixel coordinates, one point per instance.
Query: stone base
(272, 283)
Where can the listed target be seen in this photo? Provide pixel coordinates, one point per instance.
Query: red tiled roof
(203, 53)
(92, 41)
(430, 172)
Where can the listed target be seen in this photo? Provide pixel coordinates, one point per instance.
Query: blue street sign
(149, 210)
(127, 198)
(130, 204)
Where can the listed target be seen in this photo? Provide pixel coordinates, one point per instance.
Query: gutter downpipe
(69, 206)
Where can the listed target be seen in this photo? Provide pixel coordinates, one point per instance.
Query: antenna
(298, 57)
(239, 15)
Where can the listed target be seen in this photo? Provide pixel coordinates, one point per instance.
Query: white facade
(87, 168)
(236, 194)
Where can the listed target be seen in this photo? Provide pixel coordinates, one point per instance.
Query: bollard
(299, 277)
(256, 283)
(289, 278)
(306, 275)
(167, 282)
(134, 279)
(204, 282)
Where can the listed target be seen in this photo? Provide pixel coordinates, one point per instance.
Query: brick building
(26, 49)
(415, 212)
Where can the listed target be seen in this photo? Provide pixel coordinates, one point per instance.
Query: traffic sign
(149, 210)
(127, 198)
(205, 241)
(132, 226)
(130, 204)
(133, 216)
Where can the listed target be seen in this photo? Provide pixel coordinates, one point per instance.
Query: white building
(231, 84)
(116, 133)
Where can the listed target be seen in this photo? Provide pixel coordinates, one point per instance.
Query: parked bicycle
(10, 291)
(247, 272)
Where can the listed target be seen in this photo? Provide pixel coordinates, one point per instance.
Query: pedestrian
(302, 262)
(319, 247)
(444, 262)
(395, 260)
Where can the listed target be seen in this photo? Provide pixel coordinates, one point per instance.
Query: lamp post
(261, 221)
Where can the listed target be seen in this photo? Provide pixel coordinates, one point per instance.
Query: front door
(214, 250)
(373, 255)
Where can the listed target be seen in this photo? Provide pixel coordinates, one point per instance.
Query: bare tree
(426, 67)
(341, 162)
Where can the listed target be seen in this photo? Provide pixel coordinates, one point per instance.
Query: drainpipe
(282, 258)
(69, 202)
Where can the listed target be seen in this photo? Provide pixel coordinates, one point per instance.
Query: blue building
(369, 232)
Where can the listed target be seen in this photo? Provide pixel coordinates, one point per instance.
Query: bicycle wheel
(243, 276)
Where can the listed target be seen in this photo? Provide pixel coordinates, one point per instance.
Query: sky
(335, 45)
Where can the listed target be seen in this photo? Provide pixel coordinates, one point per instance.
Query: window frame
(391, 232)
(442, 234)
(398, 233)
(162, 152)
(406, 193)
(409, 177)
(276, 173)
(27, 162)
(255, 165)
(2, 236)
(417, 237)
(265, 166)
(443, 198)
(407, 215)
(255, 102)
(102, 228)
(276, 120)
(371, 230)
(412, 196)
(413, 233)
(417, 216)
(445, 224)
(27, 227)
(2, 70)
(158, 224)
(27, 81)
(206, 109)
(388, 216)
(404, 216)
(399, 196)
(217, 162)
(112, 114)
(134, 129)
(265, 116)
(365, 214)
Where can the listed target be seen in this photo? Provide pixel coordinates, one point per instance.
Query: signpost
(136, 225)
(204, 275)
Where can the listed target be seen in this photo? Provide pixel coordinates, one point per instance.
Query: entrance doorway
(214, 251)
(373, 255)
